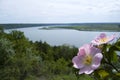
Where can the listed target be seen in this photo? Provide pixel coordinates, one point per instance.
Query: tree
(18, 58)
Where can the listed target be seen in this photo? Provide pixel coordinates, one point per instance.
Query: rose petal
(95, 42)
(87, 48)
(96, 60)
(111, 38)
(78, 62)
(86, 70)
(94, 50)
(89, 71)
(102, 35)
(81, 52)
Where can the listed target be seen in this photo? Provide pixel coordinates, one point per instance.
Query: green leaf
(117, 48)
(111, 55)
(114, 58)
(103, 74)
(118, 74)
(85, 77)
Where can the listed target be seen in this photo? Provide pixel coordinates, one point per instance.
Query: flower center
(103, 40)
(88, 60)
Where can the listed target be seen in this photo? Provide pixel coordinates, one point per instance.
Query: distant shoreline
(80, 28)
(75, 26)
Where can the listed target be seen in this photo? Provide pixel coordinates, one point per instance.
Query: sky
(59, 11)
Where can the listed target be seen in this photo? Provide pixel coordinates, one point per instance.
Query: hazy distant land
(88, 28)
(75, 26)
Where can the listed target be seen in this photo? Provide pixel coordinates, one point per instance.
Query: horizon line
(69, 23)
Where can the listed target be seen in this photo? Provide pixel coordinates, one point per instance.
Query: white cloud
(59, 11)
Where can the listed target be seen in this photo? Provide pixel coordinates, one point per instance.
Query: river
(60, 36)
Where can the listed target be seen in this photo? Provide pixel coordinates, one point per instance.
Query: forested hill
(11, 26)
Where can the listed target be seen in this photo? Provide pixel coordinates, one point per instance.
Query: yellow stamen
(103, 40)
(88, 60)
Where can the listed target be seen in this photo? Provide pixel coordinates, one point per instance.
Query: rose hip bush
(99, 59)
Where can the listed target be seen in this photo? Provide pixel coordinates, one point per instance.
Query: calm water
(60, 36)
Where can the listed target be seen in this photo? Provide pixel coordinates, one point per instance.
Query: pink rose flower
(102, 39)
(88, 59)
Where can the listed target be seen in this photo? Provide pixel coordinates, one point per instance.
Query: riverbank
(76, 26)
(112, 28)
